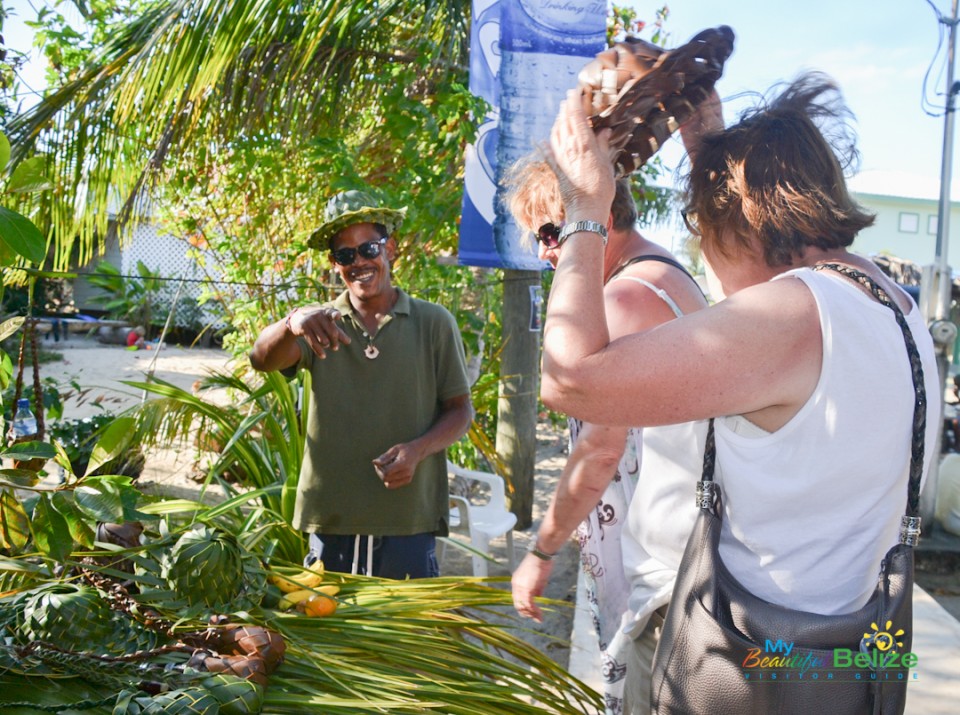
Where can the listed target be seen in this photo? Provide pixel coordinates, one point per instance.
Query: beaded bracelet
(286, 321)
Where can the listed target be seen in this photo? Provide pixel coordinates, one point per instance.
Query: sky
(20, 37)
(877, 50)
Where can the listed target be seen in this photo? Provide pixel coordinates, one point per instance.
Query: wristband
(542, 555)
(286, 321)
(579, 226)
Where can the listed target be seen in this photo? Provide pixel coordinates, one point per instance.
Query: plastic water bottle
(544, 44)
(24, 423)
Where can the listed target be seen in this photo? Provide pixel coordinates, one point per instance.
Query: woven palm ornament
(644, 93)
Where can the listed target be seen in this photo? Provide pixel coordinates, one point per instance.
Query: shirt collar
(402, 307)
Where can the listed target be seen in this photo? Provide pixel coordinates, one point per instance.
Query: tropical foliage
(232, 122)
(239, 129)
(257, 437)
(111, 621)
(109, 595)
(183, 78)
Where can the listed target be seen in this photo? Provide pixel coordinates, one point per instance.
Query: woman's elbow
(557, 393)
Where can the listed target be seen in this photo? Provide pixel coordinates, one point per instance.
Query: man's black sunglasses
(368, 250)
(549, 234)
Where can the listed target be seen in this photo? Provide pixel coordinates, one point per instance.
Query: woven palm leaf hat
(350, 207)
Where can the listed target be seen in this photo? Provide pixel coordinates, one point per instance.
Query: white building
(907, 210)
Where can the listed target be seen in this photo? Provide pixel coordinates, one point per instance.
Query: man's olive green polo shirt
(359, 408)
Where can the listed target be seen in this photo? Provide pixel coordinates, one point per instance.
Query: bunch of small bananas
(309, 577)
(305, 592)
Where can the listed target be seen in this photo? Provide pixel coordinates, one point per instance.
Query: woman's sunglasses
(368, 250)
(549, 235)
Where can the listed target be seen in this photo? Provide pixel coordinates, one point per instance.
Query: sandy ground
(100, 370)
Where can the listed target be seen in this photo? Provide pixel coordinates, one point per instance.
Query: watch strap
(580, 226)
(542, 555)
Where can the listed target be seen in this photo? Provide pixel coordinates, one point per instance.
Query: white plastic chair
(482, 522)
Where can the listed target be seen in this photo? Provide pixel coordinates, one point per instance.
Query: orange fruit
(319, 606)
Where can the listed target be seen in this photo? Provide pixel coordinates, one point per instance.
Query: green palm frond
(415, 646)
(424, 645)
(200, 73)
(258, 434)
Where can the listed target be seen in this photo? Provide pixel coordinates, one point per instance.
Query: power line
(930, 107)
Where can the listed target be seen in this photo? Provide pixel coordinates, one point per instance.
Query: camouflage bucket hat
(348, 208)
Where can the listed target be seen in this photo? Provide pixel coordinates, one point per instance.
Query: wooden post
(519, 390)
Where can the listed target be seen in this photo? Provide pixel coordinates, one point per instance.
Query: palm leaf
(401, 646)
(201, 73)
(263, 448)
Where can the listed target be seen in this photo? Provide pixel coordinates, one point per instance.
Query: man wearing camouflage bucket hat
(389, 395)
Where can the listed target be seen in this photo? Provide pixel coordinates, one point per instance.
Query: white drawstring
(369, 556)
(356, 555)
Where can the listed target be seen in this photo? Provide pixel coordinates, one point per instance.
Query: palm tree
(186, 78)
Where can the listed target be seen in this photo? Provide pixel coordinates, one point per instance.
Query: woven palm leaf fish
(643, 94)
(70, 615)
(185, 701)
(236, 696)
(253, 641)
(246, 667)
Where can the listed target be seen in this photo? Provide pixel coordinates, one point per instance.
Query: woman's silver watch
(540, 554)
(578, 226)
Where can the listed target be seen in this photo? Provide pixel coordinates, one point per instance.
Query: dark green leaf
(111, 482)
(14, 524)
(18, 477)
(50, 531)
(29, 176)
(130, 498)
(115, 438)
(29, 450)
(77, 522)
(20, 235)
(102, 502)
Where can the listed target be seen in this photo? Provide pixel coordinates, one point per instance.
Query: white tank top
(811, 509)
(662, 510)
(661, 516)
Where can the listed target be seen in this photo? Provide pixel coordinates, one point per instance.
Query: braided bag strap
(916, 369)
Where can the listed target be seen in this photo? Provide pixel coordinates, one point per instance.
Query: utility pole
(937, 279)
(519, 388)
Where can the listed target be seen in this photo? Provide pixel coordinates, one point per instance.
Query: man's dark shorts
(396, 557)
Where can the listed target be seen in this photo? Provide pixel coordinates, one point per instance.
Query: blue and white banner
(524, 56)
